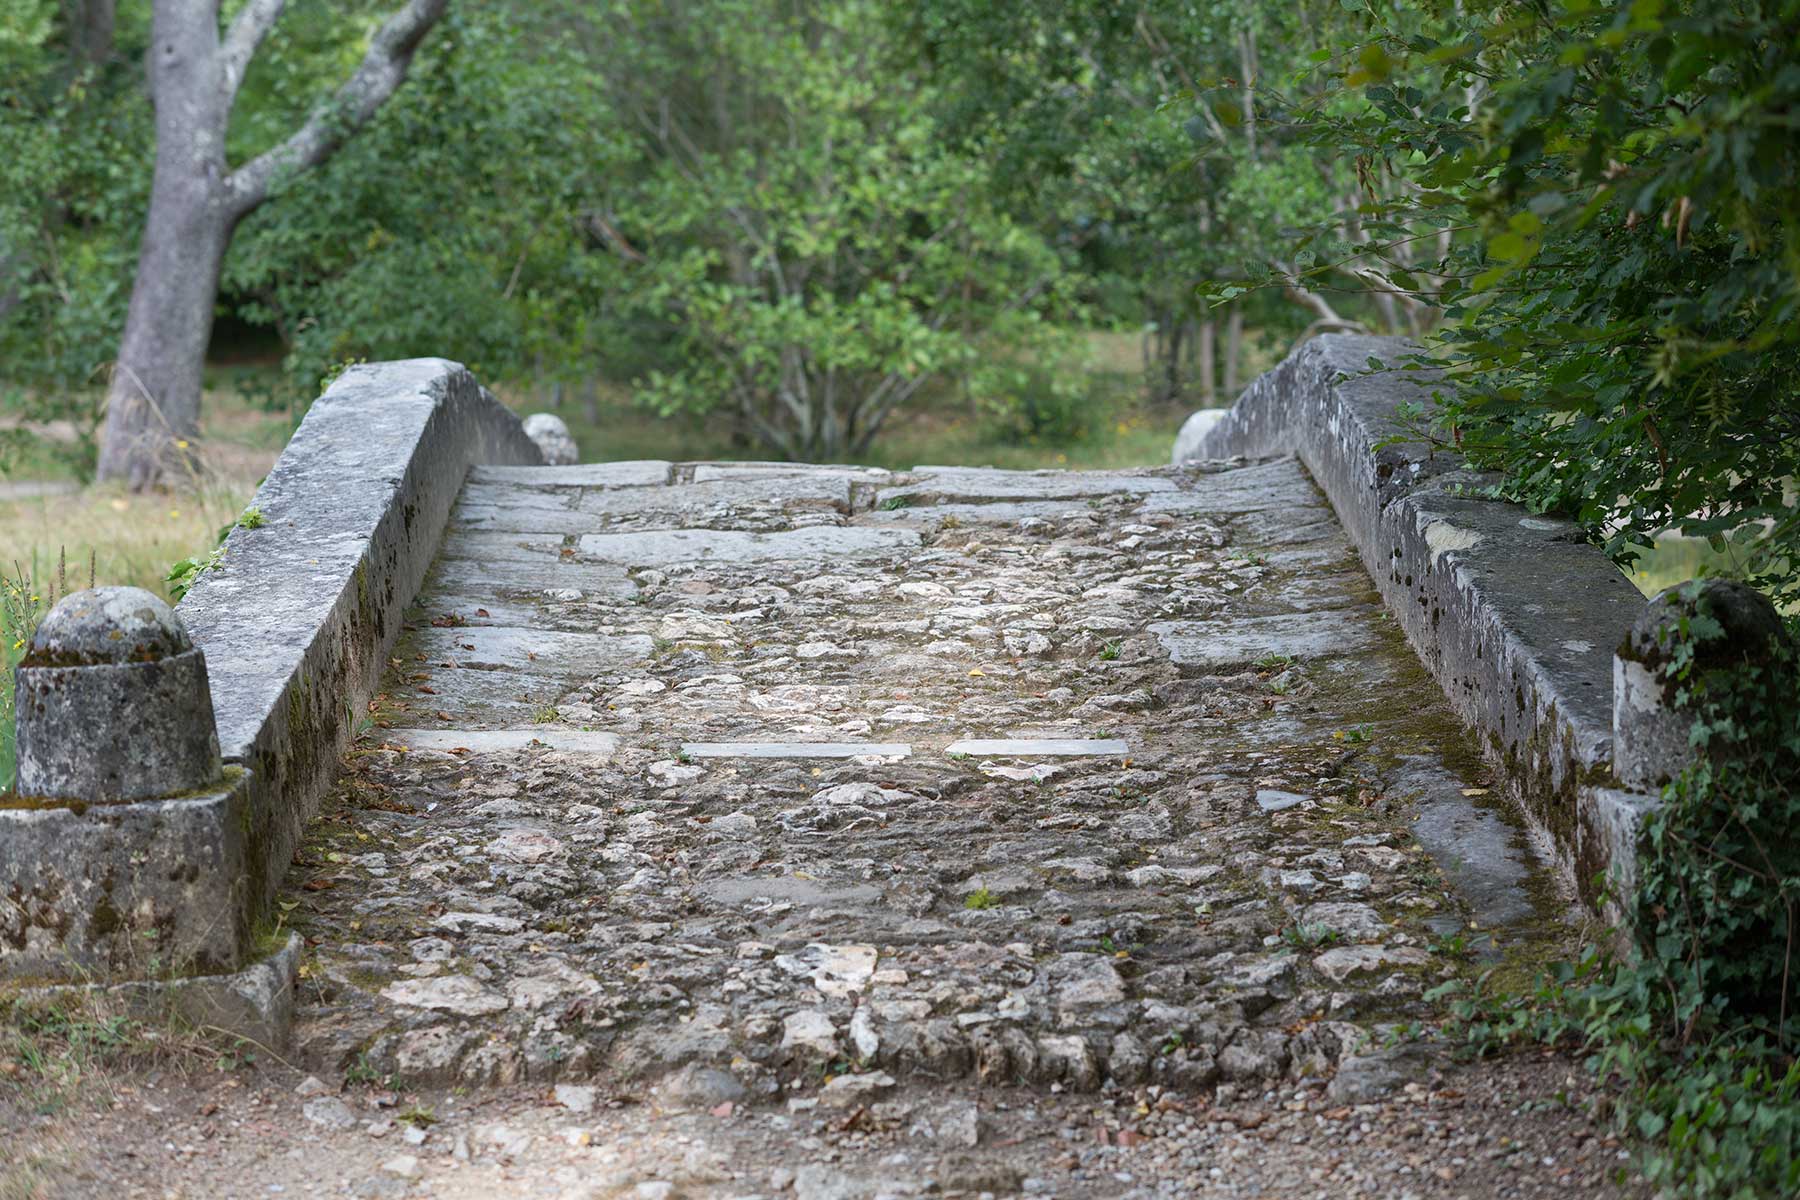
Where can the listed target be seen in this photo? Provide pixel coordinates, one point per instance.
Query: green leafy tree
(458, 224)
(1149, 139)
(73, 177)
(197, 199)
(1608, 193)
(795, 240)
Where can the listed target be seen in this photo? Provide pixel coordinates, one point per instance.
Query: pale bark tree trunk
(196, 201)
(1209, 334)
(1234, 350)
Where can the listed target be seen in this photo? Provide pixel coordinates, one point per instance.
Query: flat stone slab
(550, 578)
(813, 491)
(1275, 800)
(1241, 641)
(795, 749)
(794, 891)
(1001, 512)
(501, 741)
(731, 546)
(513, 495)
(950, 485)
(531, 651)
(631, 473)
(708, 471)
(1040, 747)
(591, 510)
(495, 506)
(494, 546)
(472, 699)
(542, 519)
(1275, 486)
(1487, 856)
(480, 610)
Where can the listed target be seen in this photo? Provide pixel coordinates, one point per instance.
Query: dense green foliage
(796, 215)
(451, 222)
(793, 234)
(731, 205)
(1143, 139)
(74, 183)
(1716, 901)
(1599, 199)
(1610, 191)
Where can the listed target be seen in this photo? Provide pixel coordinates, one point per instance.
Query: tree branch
(247, 32)
(350, 107)
(1299, 293)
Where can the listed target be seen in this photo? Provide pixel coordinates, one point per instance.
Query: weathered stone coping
(298, 619)
(1516, 615)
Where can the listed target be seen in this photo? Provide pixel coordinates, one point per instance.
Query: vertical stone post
(121, 846)
(1650, 734)
(113, 703)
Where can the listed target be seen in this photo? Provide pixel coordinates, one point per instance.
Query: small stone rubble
(775, 773)
(1518, 1128)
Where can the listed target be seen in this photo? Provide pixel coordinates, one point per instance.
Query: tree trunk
(1174, 382)
(196, 201)
(153, 401)
(91, 30)
(1234, 350)
(1209, 336)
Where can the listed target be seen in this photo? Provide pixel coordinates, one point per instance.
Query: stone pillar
(123, 848)
(113, 703)
(553, 439)
(1650, 735)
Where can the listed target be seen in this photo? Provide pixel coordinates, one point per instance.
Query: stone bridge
(764, 782)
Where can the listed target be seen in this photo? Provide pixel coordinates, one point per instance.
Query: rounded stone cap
(1751, 623)
(1190, 441)
(553, 439)
(109, 625)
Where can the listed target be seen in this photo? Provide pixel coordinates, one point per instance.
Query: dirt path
(1511, 1129)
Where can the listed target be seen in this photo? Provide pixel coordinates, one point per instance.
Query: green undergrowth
(1694, 1027)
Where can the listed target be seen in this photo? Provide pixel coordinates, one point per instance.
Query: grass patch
(74, 1047)
(1310, 937)
(980, 899)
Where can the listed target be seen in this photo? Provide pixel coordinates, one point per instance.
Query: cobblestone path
(751, 787)
(1050, 777)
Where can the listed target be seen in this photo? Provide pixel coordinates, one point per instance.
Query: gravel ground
(1518, 1127)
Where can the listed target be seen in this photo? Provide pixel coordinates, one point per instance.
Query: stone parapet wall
(1516, 615)
(299, 617)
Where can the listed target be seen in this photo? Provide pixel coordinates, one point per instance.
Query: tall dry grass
(127, 539)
